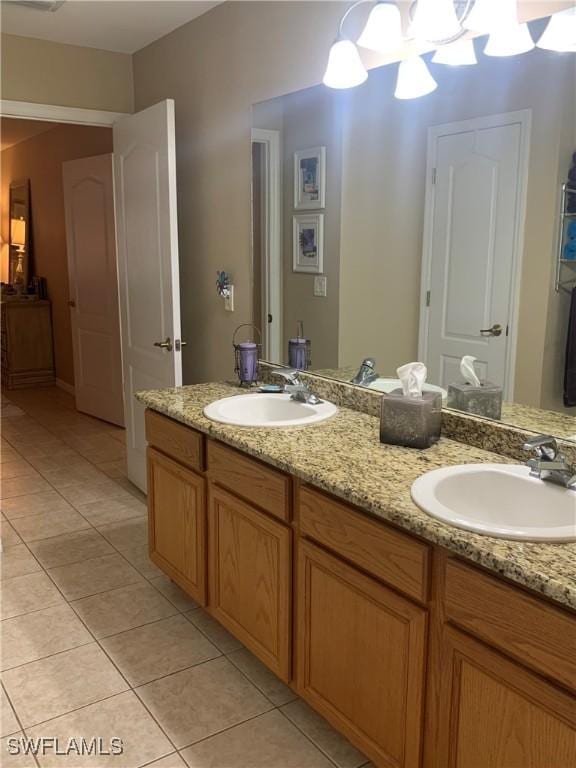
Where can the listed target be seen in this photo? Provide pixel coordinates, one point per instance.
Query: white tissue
(468, 372)
(412, 378)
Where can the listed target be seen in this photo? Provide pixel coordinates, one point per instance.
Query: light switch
(229, 300)
(320, 285)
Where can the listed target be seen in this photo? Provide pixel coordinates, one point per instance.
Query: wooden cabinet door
(177, 523)
(250, 578)
(497, 714)
(361, 657)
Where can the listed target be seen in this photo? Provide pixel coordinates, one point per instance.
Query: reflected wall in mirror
(440, 229)
(19, 264)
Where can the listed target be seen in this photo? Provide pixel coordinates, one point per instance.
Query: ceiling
(124, 26)
(13, 131)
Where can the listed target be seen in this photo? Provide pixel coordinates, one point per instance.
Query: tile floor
(97, 643)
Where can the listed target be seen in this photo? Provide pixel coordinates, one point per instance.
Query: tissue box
(411, 421)
(485, 400)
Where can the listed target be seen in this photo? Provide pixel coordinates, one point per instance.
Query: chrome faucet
(295, 386)
(366, 373)
(548, 463)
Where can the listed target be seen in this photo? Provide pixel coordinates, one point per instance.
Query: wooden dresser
(27, 351)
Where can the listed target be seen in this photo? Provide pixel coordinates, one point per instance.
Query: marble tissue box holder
(484, 400)
(412, 422)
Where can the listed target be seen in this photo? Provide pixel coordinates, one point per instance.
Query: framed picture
(310, 178)
(308, 243)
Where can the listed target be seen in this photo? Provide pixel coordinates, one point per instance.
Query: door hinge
(427, 298)
(269, 318)
(433, 175)
(507, 330)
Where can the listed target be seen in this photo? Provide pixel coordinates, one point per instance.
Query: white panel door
(91, 249)
(147, 237)
(475, 221)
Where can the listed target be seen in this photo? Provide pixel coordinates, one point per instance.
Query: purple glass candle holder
(248, 362)
(299, 354)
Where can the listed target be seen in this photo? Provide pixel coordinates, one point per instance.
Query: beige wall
(40, 160)
(383, 205)
(44, 72)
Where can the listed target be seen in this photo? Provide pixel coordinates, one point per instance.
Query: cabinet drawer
(536, 633)
(394, 557)
(268, 488)
(176, 440)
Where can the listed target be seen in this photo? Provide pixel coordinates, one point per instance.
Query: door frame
(52, 113)
(272, 261)
(523, 117)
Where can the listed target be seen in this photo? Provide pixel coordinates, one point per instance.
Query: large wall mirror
(19, 264)
(426, 229)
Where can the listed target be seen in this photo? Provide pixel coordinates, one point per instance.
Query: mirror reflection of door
(472, 245)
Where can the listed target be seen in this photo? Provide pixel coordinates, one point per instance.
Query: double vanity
(423, 642)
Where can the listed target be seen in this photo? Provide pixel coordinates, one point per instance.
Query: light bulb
(435, 20)
(414, 79)
(509, 41)
(383, 30)
(489, 15)
(560, 34)
(459, 53)
(345, 68)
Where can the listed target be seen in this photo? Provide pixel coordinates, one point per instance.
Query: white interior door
(147, 237)
(91, 249)
(475, 213)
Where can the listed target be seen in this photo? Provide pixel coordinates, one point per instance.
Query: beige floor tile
(328, 740)
(75, 475)
(16, 468)
(121, 609)
(53, 448)
(20, 486)
(268, 741)
(58, 684)
(67, 458)
(113, 451)
(12, 755)
(8, 535)
(140, 559)
(112, 510)
(85, 493)
(33, 504)
(126, 534)
(17, 561)
(171, 761)
(131, 489)
(48, 524)
(113, 469)
(39, 634)
(159, 649)
(28, 593)
(89, 577)
(9, 454)
(121, 717)
(201, 701)
(273, 688)
(172, 591)
(70, 548)
(8, 722)
(214, 631)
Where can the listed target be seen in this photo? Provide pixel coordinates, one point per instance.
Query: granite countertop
(344, 456)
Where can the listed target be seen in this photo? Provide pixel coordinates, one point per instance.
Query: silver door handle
(167, 345)
(496, 330)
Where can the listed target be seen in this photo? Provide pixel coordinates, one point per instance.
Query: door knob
(496, 330)
(167, 345)
(71, 303)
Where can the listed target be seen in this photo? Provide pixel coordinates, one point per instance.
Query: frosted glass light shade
(489, 15)
(457, 54)
(509, 41)
(560, 33)
(18, 232)
(383, 30)
(345, 68)
(414, 79)
(435, 20)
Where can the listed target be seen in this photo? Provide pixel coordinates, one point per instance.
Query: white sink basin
(384, 384)
(262, 410)
(498, 500)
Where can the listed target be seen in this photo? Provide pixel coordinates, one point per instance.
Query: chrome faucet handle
(292, 375)
(544, 447)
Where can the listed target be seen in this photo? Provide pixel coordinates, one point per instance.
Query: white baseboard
(66, 387)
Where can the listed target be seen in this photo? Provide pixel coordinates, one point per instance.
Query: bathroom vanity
(424, 644)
